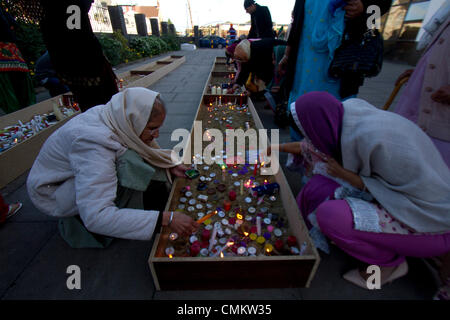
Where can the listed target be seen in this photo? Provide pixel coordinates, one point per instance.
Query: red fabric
(3, 209)
(11, 59)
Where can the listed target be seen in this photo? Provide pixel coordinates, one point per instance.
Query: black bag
(363, 56)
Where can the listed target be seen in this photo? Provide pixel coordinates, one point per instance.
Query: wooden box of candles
(22, 133)
(251, 232)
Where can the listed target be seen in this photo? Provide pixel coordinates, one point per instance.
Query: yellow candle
(261, 240)
(268, 248)
(253, 236)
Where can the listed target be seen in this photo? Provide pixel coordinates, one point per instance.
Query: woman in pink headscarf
(379, 188)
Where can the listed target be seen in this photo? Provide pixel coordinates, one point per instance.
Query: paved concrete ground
(34, 258)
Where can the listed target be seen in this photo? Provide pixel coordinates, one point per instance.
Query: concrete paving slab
(117, 272)
(20, 243)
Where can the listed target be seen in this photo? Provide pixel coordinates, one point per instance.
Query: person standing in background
(262, 26)
(16, 86)
(426, 98)
(75, 52)
(232, 33)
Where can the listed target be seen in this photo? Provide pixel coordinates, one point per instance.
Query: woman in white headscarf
(79, 168)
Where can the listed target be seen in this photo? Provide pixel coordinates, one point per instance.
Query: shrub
(112, 49)
(173, 43)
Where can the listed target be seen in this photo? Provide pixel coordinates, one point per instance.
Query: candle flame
(221, 254)
(239, 216)
(230, 243)
(246, 234)
(267, 250)
(170, 256)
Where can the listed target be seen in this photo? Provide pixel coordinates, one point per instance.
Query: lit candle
(258, 225)
(228, 244)
(173, 236)
(255, 168)
(170, 251)
(268, 248)
(213, 238)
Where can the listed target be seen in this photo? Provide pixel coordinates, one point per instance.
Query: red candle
(253, 229)
(232, 221)
(227, 205)
(204, 244)
(256, 168)
(206, 234)
(195, 249)
(279, 244)
(232, 195)
(292, 241)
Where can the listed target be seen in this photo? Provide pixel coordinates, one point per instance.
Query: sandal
(12, 211)
(354, 276)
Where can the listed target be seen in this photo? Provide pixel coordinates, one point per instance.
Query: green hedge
(118, 50)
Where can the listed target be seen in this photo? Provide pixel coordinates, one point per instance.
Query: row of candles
(12, 135)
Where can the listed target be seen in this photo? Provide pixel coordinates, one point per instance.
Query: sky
(215, 11)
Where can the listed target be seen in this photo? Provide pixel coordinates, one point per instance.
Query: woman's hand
(442, 95)
(179, 171)
(181, 223)
(282, 66)
(354, 9)
(336, 170)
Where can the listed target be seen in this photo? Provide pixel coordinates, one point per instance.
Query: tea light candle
(188, 194)
(199, 206)
(241, 251)
(268, 248)
(253, 236)
(248, 199)
(200, 215)
(266, 220)
(183, 199)
(181, 206)
(192, 239)
(251, 250)
(251, 210)
(173, 236)
(277, 232)
(221, 214)
(258, 225)
(191, 208)
(192, 202)
(204, 252)
(270, 228)
(225, 222)
(260, 240)
(170, 251)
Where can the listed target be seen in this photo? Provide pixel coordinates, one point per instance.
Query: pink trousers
(335, 219)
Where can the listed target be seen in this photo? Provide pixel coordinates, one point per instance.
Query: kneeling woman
(95, 173)
(379, 188)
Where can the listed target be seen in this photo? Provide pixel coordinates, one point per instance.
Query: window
(417, 11)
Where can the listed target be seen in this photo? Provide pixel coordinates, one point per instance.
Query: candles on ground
(268, 248)
(170, 251)
(195, 249)
(258, 225)
(279, 244)
(255, 168)
(292, 241)
(232, 195)
(206, 234)
(173, 236)
(226, 205)
(213, 238)
(260, 240)
(206, 217)
(220, 252)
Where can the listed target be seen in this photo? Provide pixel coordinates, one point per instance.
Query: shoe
(354, 276)
(12, 211)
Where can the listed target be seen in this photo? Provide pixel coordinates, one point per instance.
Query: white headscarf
(127, 114)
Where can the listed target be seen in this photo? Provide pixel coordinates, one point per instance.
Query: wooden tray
(191, 273)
